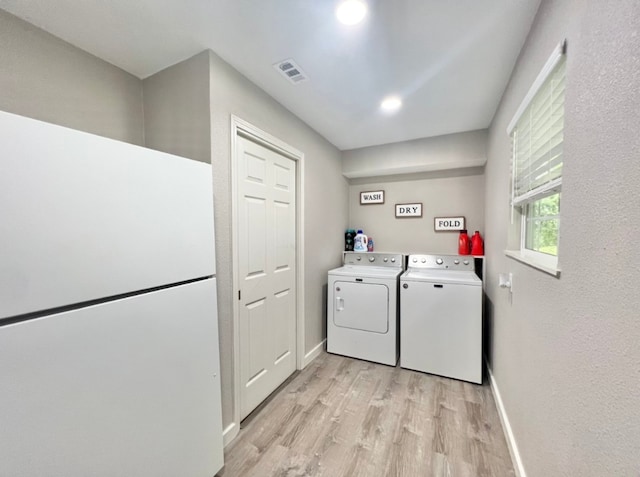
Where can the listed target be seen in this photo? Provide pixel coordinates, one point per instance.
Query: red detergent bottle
(464, 245)
(477, 244)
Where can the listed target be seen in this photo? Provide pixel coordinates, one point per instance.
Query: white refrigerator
(109, 353)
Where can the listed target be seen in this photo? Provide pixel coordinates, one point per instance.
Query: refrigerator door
(126, 388)
(84, 217)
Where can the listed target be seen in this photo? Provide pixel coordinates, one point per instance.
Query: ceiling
(449, 60)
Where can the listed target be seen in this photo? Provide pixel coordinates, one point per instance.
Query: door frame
(242, 128)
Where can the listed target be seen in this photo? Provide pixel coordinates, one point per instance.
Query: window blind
(537, 134)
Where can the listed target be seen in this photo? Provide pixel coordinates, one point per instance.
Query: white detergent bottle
(360, 242)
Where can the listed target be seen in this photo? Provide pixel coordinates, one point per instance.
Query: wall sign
(409, 210)
(444, 224)
(372, 197)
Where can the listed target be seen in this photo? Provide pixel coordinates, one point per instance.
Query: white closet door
(267, 269)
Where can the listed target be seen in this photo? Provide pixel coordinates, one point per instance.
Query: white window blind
(537, 134)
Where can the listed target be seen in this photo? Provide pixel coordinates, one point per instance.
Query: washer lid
(367, 271)
(441, 276)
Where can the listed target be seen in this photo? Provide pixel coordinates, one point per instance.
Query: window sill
(516, 255)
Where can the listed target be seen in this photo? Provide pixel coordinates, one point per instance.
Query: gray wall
(460, 150)
(177, 115)
(45, 78)
(326, 197)
(443, 194)
(565, 351)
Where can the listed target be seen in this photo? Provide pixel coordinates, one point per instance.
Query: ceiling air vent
(290, 70)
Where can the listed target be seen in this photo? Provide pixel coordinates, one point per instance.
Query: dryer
(441, 317)
(362, 307)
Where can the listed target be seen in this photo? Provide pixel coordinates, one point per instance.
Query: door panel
(267, 269)
(361, 306)
(255, 209)
(256, 169)
(283, 309)
(282, 177)
(283, 226)
(256, 329)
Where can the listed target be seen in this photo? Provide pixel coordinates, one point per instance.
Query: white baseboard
(506, 427)
(230, 433)
(313, 354)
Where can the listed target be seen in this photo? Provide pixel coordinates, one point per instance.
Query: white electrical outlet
(505, 280)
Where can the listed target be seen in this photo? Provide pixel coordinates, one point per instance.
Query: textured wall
(177, 116)
(443, 194)
(461, 150)
(326, 199)
(45, 78)
(565, 351)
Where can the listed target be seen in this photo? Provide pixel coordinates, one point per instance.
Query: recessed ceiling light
(391, 104)
(351, 12)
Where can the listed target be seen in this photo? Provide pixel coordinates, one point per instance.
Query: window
(537, 133)
(540, 225)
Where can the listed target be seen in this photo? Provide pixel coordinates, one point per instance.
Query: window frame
(544, 259)
(540, 260)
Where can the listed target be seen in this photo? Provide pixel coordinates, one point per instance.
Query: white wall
(45, 78)
(326, 199)
(565, 351)
(442, 194)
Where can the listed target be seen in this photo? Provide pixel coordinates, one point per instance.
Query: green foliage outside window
(543, 221)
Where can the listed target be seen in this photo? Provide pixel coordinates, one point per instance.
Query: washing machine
(362, 307)
(441, 317)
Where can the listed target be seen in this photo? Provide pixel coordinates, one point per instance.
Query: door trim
(242, 128)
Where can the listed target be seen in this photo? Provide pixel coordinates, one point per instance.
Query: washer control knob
(405, 285)
(358, 258)
(415, 260)
(456, 261)
(439, 261)
(393, 259)
(466, 262)
(386, 259)
(424, 260)
(372, 259)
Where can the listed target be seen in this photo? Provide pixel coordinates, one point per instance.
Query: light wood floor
(342, 417)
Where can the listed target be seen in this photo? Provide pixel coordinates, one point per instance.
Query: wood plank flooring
(342, 417)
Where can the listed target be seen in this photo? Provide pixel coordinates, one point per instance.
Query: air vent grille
(290, 70)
